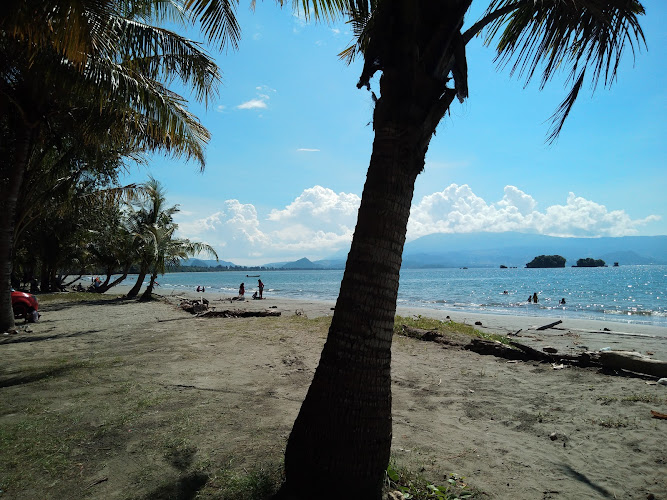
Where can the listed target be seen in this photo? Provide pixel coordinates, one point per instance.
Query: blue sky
(291, 142)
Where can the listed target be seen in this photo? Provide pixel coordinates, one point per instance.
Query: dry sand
(571, 336)
(146, 394)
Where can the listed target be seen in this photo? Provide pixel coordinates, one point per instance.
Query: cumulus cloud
(457, 209)
(320, 222)
(317, 223)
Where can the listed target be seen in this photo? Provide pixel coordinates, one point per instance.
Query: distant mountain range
(496, 249)
(516, 249)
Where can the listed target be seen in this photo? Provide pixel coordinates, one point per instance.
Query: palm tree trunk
(340, 443)
(148, 293)
(106, 285)
(12, 175)
(134, 291)
(341, 439)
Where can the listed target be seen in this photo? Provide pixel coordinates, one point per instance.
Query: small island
(588, 262)
(547, 261)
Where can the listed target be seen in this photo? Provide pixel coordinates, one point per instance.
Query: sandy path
(156, 394)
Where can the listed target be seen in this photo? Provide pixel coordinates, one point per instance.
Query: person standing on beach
(242, 291)
(261, 288)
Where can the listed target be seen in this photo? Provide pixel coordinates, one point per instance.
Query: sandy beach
(137, 399)
(571, 336)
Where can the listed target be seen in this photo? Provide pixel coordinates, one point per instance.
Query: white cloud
(308, 149)
(320, 222)
(317, 223)
(458, 210)
(253, 104)
(259, 102)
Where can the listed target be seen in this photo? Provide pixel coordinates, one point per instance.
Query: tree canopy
(547, 261)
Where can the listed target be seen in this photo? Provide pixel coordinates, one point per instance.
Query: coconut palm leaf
(572, 36)
(218, 19)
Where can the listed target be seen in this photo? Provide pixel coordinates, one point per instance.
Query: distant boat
(615, 264)
(252, 275)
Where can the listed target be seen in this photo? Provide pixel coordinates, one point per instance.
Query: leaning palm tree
(170, 251)
(152, 217)
(342, 435)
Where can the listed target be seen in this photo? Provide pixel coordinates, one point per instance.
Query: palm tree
(342, 435)
(146, 224)
(55, 56)
(171, 252)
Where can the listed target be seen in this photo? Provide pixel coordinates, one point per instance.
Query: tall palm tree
(342, 435)
(54, 54)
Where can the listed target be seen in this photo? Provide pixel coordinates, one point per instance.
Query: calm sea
(629, 294)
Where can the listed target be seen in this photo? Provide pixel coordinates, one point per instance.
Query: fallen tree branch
(631, 361)
(550, 325)
(237, 313)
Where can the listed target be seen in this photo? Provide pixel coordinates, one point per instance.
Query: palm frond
(159, 53)
(572, 36)
(360, 17)
(326, 10)
(218, 19)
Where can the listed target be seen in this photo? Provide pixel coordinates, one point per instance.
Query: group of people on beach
(256, 295)
(259, 294)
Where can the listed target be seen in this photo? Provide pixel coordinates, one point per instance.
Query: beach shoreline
(572, 336)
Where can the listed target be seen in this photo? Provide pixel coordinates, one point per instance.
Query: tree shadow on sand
(582, 478)
(20, 339)
(184, 488)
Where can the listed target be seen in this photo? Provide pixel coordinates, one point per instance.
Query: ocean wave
(635, 313)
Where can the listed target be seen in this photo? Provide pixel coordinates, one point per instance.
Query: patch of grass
(414, 486)
(644, 398)
(37, 442)
(445, 327)
(76, 297)
(611, 423)
(605, 400)
(255, 484)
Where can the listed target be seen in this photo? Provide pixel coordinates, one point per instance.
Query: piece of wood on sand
(550, 325)
(238, 313)
(631, 361)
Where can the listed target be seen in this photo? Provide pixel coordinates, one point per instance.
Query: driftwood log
(614, 360)
(550, 325)
(631, 361)
(428, 335)
(237, 313)
(194, 306)
(498, 349)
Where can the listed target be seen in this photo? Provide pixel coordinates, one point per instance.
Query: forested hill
(516, 249)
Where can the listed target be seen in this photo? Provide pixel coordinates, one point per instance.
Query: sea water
(630, 294)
